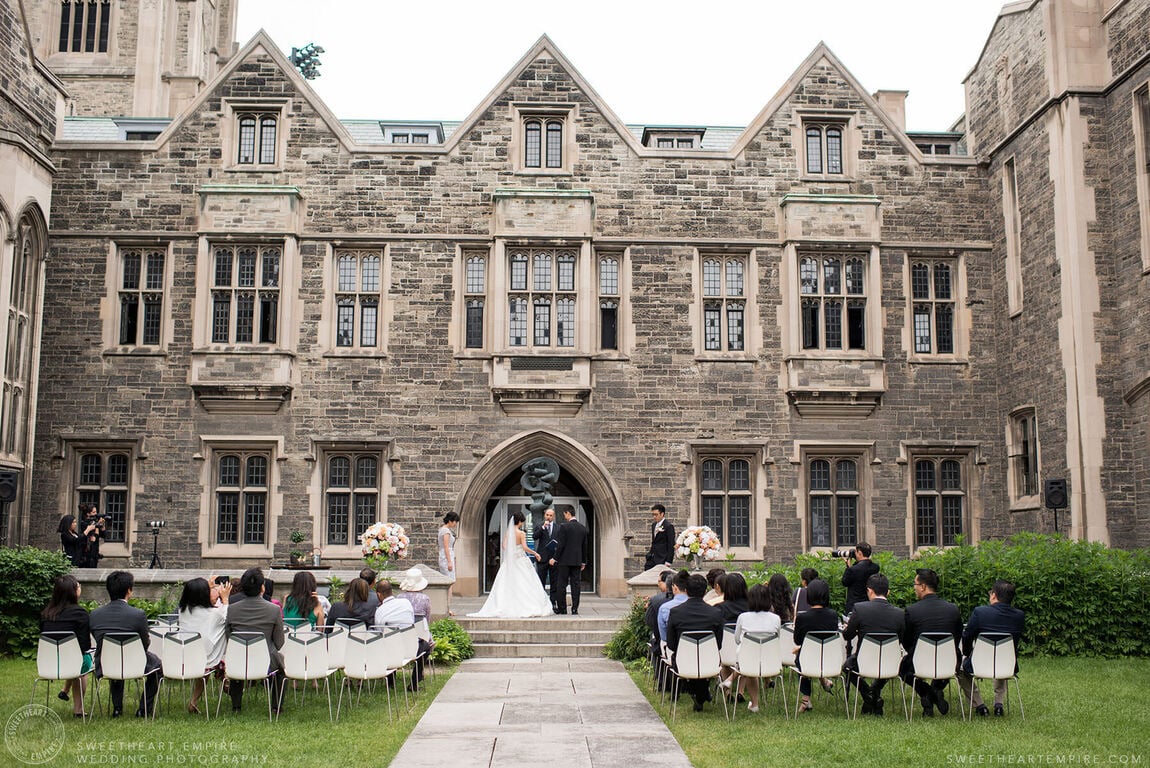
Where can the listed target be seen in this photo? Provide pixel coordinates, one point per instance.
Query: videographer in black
(856, 574)
(93, 526)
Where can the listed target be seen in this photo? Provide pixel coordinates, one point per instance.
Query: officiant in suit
(546, 541)
(662, 551)
(570, 559)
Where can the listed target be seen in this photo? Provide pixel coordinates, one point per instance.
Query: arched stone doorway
(507, 457)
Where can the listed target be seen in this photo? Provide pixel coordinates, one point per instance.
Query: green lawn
(303, 736)
(1078, 712)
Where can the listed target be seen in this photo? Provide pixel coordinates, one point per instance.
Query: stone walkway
(567, 713)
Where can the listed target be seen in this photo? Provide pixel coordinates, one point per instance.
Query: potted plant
(296, 553)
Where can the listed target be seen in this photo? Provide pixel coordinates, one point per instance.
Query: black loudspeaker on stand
(1056, 496)
(9, 485)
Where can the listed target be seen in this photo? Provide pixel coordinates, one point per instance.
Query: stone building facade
(814, 330)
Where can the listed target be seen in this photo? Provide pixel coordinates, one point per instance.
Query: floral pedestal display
(698, 543)
(382, 544)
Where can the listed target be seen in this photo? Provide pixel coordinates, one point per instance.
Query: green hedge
(1080, 598)
(26, 578)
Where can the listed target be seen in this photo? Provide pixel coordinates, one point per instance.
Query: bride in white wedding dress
(516, 593)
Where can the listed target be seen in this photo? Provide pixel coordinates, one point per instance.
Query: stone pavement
(564, 713)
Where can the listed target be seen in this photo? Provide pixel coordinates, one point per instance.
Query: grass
(303, 736)
(1079, 711)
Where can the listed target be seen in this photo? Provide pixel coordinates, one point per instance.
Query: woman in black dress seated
(818, 619)
(65, 614)
(356, 605)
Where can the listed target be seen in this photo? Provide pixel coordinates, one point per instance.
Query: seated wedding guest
(929, 613)
(651, 616)
(302, 603)
(678, 596)
(412, 586)
(369, 575)
(805, 578)
(237, 592)
(71, 540)
(392, 612)
(204, 609)
(118, 616)
(355, 605)
(819, 618)
(999, 616)
(269, 591)
(734, 588)
(779, 597)
(873, 616)
(757, 618)
(694, 615)
(65, 614)
(254, 614)
(713, 596)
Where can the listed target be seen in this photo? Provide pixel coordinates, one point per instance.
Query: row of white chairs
(360, 652)
(764, 656)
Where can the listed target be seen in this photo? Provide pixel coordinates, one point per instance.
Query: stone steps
(550, 637)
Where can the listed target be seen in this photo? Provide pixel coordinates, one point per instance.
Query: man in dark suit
(651, 615)
(856, 575)
(571, 559)
(257, 615)
(546, 543)
(1000, 616)
(929, 614)
(694, 615)
(875, 616)
(117, 616)
(662, 551)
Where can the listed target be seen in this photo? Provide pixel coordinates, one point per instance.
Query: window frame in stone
(142, 274)
(242, 483)
(609, 279)
(834, 332)
(1012, 223)
(87, 32)
(831, 163)
(543, 282)
(214, 449)
(264, 329)
(113, 492)
(939, 490)
(720, 493)
(268, 133)
(1024, 457)
(552, 150)
(476, 278)
(1140, 98)
(360, 296)
(722, 299)
(933, 303)
(357, 490)
(861, 454)
(21, 332)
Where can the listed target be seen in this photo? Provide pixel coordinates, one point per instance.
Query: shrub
(26, 578)
(630, 643)
(452, 643)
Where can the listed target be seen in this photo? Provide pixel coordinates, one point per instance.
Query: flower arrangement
(698, 542)
(382, 543)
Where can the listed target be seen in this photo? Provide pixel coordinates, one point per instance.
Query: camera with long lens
(843, 553)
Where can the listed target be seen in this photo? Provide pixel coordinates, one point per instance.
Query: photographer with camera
(856, 574)
(93, 527)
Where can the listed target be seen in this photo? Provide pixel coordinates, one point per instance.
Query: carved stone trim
(824, 404)
(557, 403)
(242, 398)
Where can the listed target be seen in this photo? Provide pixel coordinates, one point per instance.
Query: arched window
(257, 139)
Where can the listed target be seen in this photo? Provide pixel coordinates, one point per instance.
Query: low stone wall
(152, 582)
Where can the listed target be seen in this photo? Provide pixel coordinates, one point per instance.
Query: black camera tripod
(156, 562)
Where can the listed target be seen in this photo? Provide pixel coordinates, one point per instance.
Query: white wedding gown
(517, 592)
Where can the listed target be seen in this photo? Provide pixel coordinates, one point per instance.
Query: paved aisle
(562, 713)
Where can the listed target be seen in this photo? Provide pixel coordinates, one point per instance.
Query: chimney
(894, 104)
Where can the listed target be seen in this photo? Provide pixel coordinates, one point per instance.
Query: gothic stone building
(813, 329)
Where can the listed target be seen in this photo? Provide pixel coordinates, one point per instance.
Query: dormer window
(543, 140)
(253, 135)
(824, 148)
(257, 139)
(543, 143)
(673, 137)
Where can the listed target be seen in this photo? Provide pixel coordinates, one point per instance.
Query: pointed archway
(507, 457)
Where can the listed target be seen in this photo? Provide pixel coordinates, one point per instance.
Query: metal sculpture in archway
(539, 476)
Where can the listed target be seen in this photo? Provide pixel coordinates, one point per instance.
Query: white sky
(705, 62)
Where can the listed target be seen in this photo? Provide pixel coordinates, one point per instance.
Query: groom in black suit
(662, 551)
(544, 537)
(571, 559)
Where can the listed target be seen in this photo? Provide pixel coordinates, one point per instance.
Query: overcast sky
(705, 62)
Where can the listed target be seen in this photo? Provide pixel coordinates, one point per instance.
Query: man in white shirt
(392, 612)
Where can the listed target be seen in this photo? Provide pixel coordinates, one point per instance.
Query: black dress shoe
(941, 703)
(62, 696)
(981, 710)
(998, 711)
(877, 708)
(235, 710)
(698, 705)
(117, 712)
(928, 710)
(867, 707)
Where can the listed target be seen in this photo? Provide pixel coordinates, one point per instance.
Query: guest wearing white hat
(413, 584)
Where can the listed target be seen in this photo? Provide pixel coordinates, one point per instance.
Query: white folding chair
(424, 633)
(184, 656)
(822, 655)
(760, 656)
(336, 635)
(697, 658)
(364, 660)
(879, 657)
(727, 649)
(935, 657)
(58, 657)
(787, 642)
(994, 657)
(248, 659)
(305, 657)
(123, 658)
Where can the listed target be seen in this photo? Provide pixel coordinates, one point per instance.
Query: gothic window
(609, 301)
(834, 500)
(939, 501)
(241, 497)
(358, 298)
(245, 294)
(1142, 171)
(475, 299)
(541, 300)
(824, 148)
(1023, 454)
(542, 143)
(933, 287)
(726, 498)
(351, 496)
(724, 303)
(257, 138)
(102, 478)
(833, 302)
(85, 26)
(141, 293)
(17, 351)
(1013, 223)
